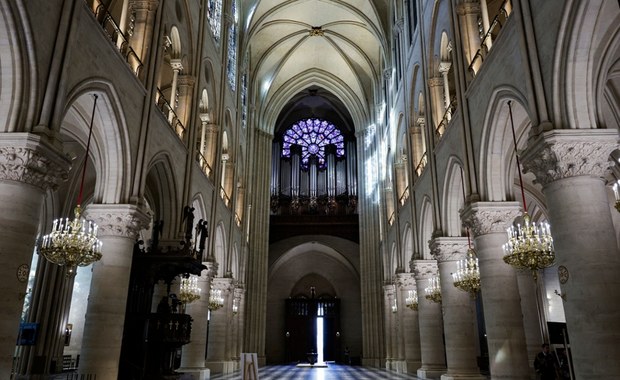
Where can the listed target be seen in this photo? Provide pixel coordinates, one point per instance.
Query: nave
(332, 372)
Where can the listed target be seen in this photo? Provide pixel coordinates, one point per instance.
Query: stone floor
(331, 372)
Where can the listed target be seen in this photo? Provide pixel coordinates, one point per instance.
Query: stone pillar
(435, 85)
(237, 326)
(500, 293)
(220, 330)
(444, 69)
(470, 37)
(193, 356)
(29, 168)
(533, 318)
(388, 293)
(570, 164)
(143, 26)
(119, 224)
(459, 318)
(185, 86)
(176, 66)
(410, 331)
(431, 324)
(484, 14)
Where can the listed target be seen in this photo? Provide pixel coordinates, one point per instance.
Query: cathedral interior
(430, 188)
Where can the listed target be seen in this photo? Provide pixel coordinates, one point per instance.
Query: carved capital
(388, 290)
(387, 73)
(424, 269)
(405, 281)
(24, 158)
(176, 64)
(448, 248)
(444, 67)
(489, 217)
(212, 267)
(567, 153)
(121, 220)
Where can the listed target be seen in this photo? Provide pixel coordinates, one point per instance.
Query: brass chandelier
(433, 291)
(467, 276)
(74, 243)
(529, 246)
(412, 299)
(216, 300)
(189, 290)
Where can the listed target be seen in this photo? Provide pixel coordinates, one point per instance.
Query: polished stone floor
(332, 372)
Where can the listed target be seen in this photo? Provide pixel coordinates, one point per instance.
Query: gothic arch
(109, 148)
(453, 198)
(426, 228)
(219, 249)
(160, 192)
(407, 247)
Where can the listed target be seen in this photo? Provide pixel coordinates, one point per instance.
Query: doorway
(312, 327)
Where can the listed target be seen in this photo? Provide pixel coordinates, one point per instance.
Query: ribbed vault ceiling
(344, 56)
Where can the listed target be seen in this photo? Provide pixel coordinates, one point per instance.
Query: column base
(430, 373)
(194, 373)
(224, 367)
(372, 362)
(412, 367)
(456, 376)
(400, 366)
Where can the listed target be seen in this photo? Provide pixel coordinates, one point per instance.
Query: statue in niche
(188, 218)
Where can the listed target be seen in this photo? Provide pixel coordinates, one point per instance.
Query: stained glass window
(215, 17)
(232, 49)
(313, 135)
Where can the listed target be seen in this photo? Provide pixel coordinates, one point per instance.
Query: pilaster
(119, 225)
(409, 322)
(458, 311)
(430, 323)
(220, 329)
(500, 294)
(28, 167)
(569, 164)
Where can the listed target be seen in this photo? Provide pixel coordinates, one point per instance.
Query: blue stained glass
(313, 135)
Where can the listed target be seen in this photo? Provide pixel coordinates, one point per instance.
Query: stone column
(185, 86)
(119, 225)
(459, 318)
(431, 324)
(29, 167)
(143, 26)
(444, 69)
(409, 321)
(533, 318)
(193, 356)
(176, 66)
(220, 330)
(237, 325)
(500, 293)
(388, 302)
(470, 37)
(435, 85)
(570, 164)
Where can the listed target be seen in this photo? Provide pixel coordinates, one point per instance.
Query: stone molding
(144, 5)
(489, 217)
(212, 267)
(405, 281)
(448, 248)
(468, 7)
(424, 269)
(186, 80)
(212, 128)
(435, 82)
(122, 220)
(559, 154)
(25, 158)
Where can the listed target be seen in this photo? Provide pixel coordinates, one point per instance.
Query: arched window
(232, 48)
(313, 135)
(215, 17)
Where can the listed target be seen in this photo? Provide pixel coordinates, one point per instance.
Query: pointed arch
(426, 227)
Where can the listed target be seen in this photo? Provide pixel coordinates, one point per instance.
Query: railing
(392, 218)
(237, 220)
(496, 25)
(404, 197)
(445, 120)
(118, 38)
(204, 165)
(225, 197)
(171, 116)
(422, 164)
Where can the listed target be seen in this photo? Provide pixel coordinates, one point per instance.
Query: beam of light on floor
(319, 340)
